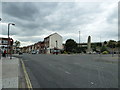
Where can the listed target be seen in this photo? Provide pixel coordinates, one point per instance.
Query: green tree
(103, 48)
(17, 43)
(71, 46)
(105, 42)
(94, 46)
(118, 44)
(112, 44)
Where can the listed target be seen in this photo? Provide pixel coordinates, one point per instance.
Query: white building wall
(52, 42)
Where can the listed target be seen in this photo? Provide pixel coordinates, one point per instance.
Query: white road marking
(67, 72)
(92, 82)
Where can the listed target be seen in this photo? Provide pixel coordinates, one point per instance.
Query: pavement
(11, 75)
(72, 71)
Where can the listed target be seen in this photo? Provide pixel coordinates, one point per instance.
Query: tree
(112, 44)
(103, 49)
(118, 44)
(71, 46)
(17, 43)
(94, 45)
(105, 42)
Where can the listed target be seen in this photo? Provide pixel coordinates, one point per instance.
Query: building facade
(6, 44)
(53, 43)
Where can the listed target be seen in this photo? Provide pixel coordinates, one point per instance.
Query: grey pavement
(9, 72)
(72, 71)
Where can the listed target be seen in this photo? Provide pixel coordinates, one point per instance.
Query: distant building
(53, 42)
(39, 47)
(5, 45)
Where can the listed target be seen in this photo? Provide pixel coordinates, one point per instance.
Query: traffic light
(11, 42)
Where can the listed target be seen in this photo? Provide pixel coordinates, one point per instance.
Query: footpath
(11, 73)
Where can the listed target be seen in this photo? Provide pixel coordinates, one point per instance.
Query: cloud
(24, 11)
(34, 21)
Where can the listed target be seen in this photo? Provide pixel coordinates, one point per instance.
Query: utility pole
(79, 42)
(100, 45)
(79, 38)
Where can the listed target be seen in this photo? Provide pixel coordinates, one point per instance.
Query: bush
(65, 52)
(105, 52)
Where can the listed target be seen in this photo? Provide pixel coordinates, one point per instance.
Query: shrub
(105, 52)
(65, 52)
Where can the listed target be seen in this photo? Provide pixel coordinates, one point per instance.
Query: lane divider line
(29, 85)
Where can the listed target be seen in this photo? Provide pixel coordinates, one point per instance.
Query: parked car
(20, 53)
(33, 52)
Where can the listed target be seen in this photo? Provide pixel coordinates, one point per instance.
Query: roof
(4, 38)
(51, 35)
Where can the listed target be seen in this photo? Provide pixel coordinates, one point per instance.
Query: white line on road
(67, 72)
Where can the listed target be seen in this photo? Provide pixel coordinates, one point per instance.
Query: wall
(53, 39)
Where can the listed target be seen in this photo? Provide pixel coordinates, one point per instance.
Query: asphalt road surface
(72, 71)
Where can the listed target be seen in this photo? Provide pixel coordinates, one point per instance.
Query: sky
(36, 20)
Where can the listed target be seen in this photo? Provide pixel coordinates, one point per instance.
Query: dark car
(20, 53)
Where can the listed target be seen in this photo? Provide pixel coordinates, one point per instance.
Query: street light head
(13, 24)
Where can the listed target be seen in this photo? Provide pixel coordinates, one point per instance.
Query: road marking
(67, 72)
(29, 85)
(92, 82)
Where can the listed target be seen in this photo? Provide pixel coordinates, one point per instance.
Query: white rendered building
(52, 42)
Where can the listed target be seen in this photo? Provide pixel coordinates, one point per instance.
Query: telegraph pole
(100, 45)
(79, 38)
(79, 42)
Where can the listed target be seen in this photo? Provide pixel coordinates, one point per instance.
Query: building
(40, 47)
(5, 45)
(53, 43)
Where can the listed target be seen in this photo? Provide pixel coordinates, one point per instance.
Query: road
(72, 71)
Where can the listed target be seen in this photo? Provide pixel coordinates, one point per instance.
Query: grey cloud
(30, 39)
(32, 18)
(112, 16)
(25, 11)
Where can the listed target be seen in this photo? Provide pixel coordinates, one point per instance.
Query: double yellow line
(29, 85)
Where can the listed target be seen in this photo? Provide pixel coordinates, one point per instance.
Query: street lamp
(56, 47)
(8, 36)
(79, 39)
(56, 43)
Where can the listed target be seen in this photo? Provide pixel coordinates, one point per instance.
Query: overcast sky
(36, 20)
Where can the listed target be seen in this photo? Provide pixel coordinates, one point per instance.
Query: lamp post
(100, 46)
(9, 37)
(79, 39)
(56, 48)
(80, 46)
(0, 49)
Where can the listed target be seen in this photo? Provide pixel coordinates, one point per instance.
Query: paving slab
(10, 72)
